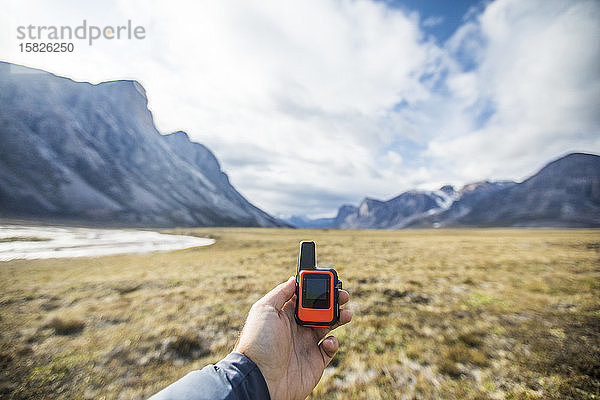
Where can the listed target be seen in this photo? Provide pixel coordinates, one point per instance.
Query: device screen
(315, 291)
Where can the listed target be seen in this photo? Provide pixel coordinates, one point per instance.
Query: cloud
(536, 82)
(324, 102)
(433, 21)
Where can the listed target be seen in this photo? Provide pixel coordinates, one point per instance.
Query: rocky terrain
(74, 151)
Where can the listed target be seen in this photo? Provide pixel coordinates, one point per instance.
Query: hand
(288, 355)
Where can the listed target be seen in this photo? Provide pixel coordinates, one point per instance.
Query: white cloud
(539, 73)
(322, 102)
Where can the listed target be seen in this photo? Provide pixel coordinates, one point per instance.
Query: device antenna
(307, 258)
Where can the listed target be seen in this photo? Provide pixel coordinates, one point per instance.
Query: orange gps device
(317, 290)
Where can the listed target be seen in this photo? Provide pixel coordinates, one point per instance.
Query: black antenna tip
(307, 258)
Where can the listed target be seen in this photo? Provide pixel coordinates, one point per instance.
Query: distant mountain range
(565, 193)
(72, 151)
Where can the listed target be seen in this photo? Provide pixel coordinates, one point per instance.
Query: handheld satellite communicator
(317, 290)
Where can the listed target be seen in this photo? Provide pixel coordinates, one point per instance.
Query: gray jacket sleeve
(235, 377)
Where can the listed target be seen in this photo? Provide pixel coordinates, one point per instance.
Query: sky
(312, 104)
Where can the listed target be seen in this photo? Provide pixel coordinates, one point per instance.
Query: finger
(344, 297)
(281, 294)
(290, 306)
(345, 317)
(329, 347)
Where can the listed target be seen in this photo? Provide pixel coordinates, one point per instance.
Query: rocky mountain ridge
(74, 151)
(565, 193)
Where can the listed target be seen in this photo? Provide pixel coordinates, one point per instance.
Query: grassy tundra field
(471, 314)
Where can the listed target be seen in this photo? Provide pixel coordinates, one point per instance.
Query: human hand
(291, 357)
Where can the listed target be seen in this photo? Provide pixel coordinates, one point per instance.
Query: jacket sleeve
(235, 377)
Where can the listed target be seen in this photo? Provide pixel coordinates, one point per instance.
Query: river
(34, 242)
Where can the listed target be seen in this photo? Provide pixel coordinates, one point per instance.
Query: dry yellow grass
(437, 314)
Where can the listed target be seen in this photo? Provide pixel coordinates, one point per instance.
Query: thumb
(281, 294)
(329, 346)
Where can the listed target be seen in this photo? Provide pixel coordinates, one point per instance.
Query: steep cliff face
(91, 153)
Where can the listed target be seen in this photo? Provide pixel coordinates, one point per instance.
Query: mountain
(301, 221)
(464, 201)
(89, 153)
(565, 193)
(344, 212)
(304, 222)
(395, 213)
